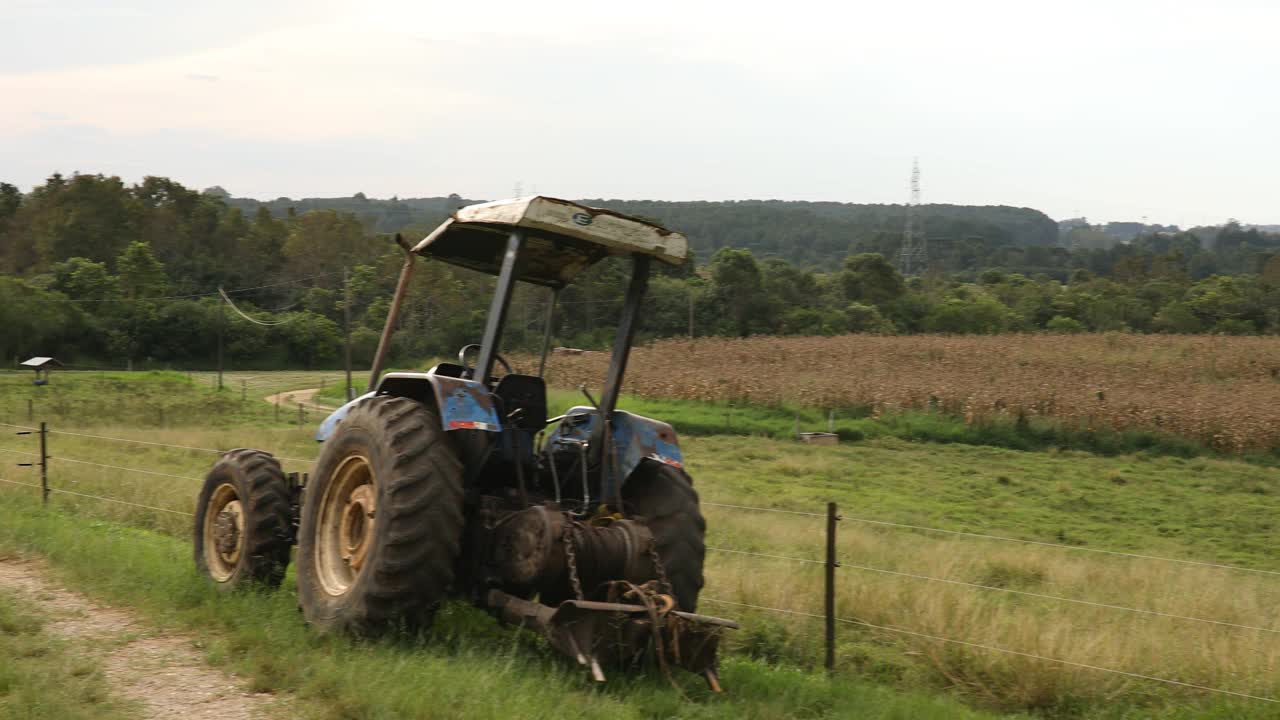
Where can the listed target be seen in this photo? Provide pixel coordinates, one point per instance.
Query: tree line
(96, 271)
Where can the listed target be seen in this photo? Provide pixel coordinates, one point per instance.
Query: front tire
(382, 520)
(243, 521)
(664, 497)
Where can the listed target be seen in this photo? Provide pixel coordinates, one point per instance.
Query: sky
(1117, 110)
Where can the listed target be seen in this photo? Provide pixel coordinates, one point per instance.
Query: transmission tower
(913, 259)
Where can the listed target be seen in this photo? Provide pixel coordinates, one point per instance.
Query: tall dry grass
(1222, 391)
(1218, 656)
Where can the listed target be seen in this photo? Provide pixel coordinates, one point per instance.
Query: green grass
(1209, 509)
(43, 677)
(1149, 502)
(155, 398)
(471, 668)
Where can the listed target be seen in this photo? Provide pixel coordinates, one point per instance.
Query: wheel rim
(223, 532)
(347, 520)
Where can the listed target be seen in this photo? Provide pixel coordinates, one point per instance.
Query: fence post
(301, 418)
(31, 409)
(832, 564)
(244, 390)
(44, 464)
(277, 408)
(44, 461)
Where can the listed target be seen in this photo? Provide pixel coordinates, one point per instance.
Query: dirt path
(292, 398)
(162, 673)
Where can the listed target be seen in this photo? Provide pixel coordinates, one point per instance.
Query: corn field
(1219, 390)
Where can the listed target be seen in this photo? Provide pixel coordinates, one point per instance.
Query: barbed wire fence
(37, 457)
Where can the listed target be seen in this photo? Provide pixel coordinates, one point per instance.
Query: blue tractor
(455, 483)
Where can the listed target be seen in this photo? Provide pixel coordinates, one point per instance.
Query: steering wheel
(462, 360)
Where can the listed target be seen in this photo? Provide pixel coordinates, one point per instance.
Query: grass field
(1194, 508)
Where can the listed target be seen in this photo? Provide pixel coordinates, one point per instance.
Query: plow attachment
(622, 634)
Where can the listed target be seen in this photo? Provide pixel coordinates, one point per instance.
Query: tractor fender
(634, 438)
(462, 404)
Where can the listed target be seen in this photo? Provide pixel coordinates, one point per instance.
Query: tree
(325, 241)
(1060, 324)
(309, 338)
(735, 277)
(84, 279)
(861, 318)
(1177, 317)
(39, 322)
(869, 278)
(976, 313)
(141, 274)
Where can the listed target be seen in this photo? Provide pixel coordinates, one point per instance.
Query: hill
(812, 234)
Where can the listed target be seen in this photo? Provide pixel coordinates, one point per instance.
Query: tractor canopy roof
(562, 238)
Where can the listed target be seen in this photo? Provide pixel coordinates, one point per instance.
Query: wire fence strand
(1062, 546)
(20, 427)
(1007, 651)
(766, 555)
(20, 452)
(164, 445)
(1060, 661)
(138, 442)
(15, 482)
(763, 509)
(1001, 538)
(125, 469)
(1058, 598)
(120, 502)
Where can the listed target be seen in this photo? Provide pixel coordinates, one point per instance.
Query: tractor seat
(527, 393)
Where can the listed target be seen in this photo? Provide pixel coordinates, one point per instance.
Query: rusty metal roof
(563, 238)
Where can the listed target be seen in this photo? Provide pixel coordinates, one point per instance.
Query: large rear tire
(665, 498)
(381, 521)
(243, 521)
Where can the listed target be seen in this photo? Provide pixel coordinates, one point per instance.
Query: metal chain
(658, 566)
(570, 555)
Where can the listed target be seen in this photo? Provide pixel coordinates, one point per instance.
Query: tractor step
(622, 634)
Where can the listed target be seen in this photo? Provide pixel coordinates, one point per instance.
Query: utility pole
(346, 329)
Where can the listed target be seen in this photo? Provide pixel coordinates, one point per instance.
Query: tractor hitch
(622, 634)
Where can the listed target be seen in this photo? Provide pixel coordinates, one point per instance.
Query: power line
(209, 294)
(242, 314)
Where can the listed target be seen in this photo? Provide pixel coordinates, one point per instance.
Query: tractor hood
(562, 238)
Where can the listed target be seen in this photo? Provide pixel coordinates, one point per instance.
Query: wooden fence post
(832, 564)
(44, 464)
